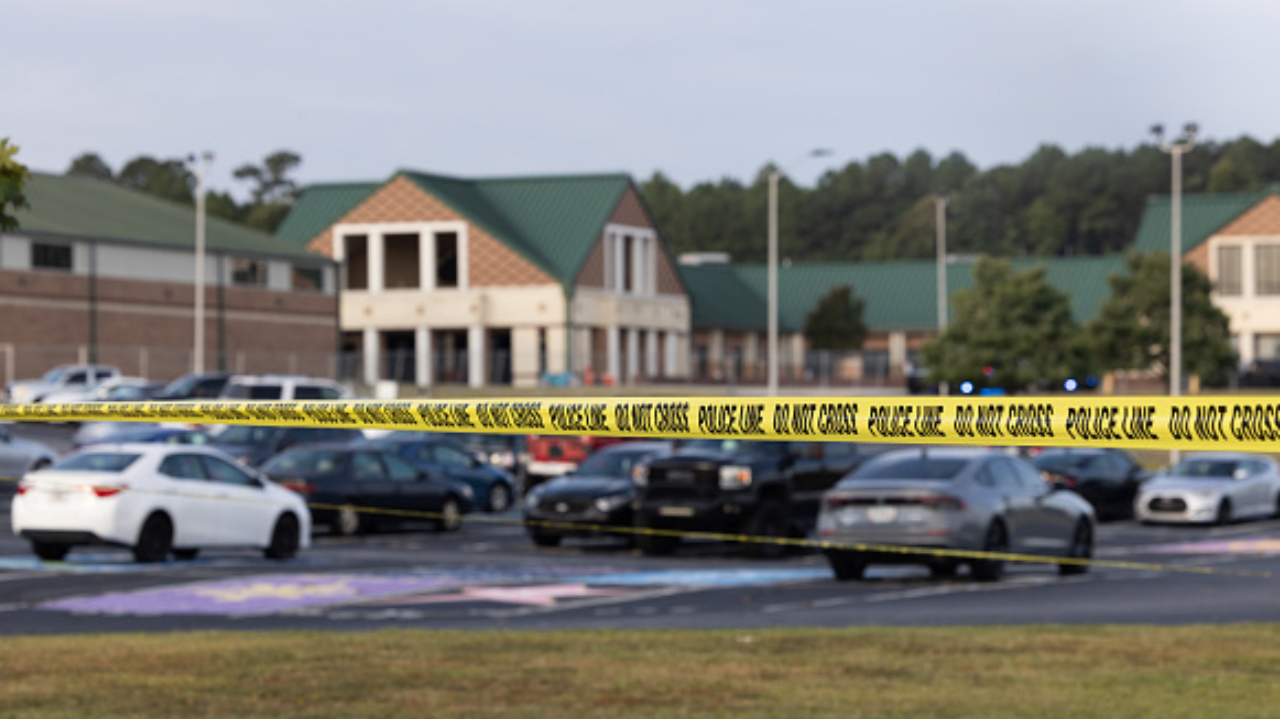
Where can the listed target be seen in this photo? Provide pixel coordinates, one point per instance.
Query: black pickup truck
(766, 489)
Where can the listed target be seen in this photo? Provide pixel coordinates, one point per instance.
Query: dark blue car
(494, 488)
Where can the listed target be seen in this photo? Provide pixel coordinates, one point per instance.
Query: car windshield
(254, 391)
(1206, 468)
(53, 375)
(308, 462)
(610, 464)
(182, 386)
(1061, 461)
(916, 467)
(98, 462)
(245, 434)
(736, 446)
(486, 442)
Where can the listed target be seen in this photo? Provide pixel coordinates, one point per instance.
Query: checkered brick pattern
(592, 274)
(1263, 219)
(491, 262)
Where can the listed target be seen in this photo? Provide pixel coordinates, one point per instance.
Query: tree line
(272, 191)
(1053, 203)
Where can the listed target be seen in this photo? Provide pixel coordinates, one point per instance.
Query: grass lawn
(1040, 672)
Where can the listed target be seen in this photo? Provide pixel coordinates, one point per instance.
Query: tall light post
(1175, 150)
(199, 169)
(940, 210)
(774, 175)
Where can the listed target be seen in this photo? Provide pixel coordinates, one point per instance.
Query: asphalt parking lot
(488, 575)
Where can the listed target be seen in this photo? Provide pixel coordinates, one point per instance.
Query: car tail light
(1062, 480)
(301, 486)
(944, 502)
(22, 488)
(848, 501)
(102, 492)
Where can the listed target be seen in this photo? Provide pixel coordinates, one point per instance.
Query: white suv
(59, 379)
(282, 387)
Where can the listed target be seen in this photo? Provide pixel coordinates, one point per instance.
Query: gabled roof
(552, 221)
(1202, 216)
(83, 208)
(899, 296)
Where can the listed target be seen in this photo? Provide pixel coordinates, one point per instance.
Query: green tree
(1017, 324)
(13, 178)
(1131, 331)
(168, 179)
(271, 181)
(91, 165)
(835, 323)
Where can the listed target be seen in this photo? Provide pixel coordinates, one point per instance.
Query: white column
(582, 350)
(476, 356)
(371, 359)
(715, 354)
(797, 353)
(422, 356)
(751, 355)
(671, 363)
(651, 354)
(557, 350)
(612, 340)
(897, 353)
(637, 266)
(377, 262)
(427, 261)
(525, 369)
(633, 354)
(619, 263)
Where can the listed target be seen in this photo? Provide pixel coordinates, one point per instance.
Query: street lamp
(774, 175)
(1175, 149)
(199, 169)
(940, 209)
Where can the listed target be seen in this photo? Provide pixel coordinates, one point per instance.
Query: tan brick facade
(1262, 219)
(631, 212)
(491, 263)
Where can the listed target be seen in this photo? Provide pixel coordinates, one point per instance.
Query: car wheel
(770, 522)
(997, 540)
(348, 523)
(285, 538)
(450, 515)
(50, 551)
(499, 497)
(1224, 513)
(846, 566)
(1081, 548)
(545, 540)
(155, 540)
(654, 545)
(186, 555)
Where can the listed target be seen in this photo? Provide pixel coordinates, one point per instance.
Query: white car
(157, 500)
(95, 392)
(1212, 488)
(62, 377)
(282, 387)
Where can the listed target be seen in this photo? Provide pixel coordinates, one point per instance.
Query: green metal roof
(899, 295)
(721, 300)
(1202, 216)
(552, 221)
(320, 206)
(92, 209)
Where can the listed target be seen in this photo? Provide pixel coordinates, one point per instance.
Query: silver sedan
(969, 499)
(1212, 488)
(19, 456)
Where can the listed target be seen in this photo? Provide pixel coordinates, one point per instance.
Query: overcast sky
(696, 89)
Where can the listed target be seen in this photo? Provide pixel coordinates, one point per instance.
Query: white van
(282, 387)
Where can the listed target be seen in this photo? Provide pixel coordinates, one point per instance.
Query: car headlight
(640, 475)
(502, 459)
(533, 498)
(735, 477)
(611, 502)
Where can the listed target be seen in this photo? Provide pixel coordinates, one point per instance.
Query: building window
(401, 266)
(355, 262)
(447, 260)
(1229, 271)
(1266, 347)
(1268, 269)
(248, 273)
(308, 279)
(51, 256)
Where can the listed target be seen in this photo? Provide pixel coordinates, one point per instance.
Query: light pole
(940, 209)
(1175, 150)
(199, 169)
(774, 175)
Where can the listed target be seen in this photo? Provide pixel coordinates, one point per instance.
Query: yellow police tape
(789, 542)
(1245, 423)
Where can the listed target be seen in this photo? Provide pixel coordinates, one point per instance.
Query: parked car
(440, 456)
(92, 433)
(766, 489)
(281, 387)
(1107, 478)
(201, 385)
(1212, 488)
(967, 499)
(116, 389)
(1260, 373)
(62, 377)
(553, 455)
(157, 500)
(254, 444)
(19, 456)
(346, 480)
(599, 493)
(508, 452)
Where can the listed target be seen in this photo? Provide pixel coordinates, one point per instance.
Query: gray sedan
(968, 499)
(1212, 488)
(19, 456)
